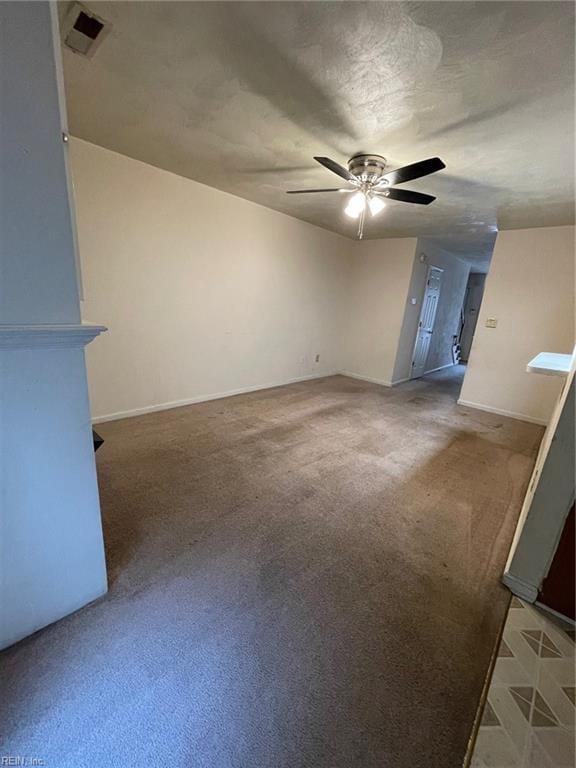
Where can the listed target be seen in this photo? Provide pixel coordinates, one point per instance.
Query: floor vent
(83, 31)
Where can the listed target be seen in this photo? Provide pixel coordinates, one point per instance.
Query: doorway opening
(442, 309)
(470, 312)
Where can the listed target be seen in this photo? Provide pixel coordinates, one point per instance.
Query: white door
(426, 324)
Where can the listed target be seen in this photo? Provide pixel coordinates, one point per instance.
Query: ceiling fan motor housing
(367, 168)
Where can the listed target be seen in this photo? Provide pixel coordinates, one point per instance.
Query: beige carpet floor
(302, 577)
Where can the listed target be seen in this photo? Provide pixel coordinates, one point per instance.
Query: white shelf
(550, 364)
(71, 335)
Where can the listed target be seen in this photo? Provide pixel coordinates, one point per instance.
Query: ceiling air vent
(83, 31)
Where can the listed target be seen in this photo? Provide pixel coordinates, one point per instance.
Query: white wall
(35, 215)
(203, 293)
(376, 295)
(547, 502)
(52, 553)
(530, 291)
(452, 291)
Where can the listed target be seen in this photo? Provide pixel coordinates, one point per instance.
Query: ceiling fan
(371, 184)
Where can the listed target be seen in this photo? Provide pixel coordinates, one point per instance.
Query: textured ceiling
(240, 96)
(475, 249)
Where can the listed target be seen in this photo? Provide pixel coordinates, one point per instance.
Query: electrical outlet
(491, 322)
(317, 358)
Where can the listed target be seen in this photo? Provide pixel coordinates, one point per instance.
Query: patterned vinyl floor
(529, 717)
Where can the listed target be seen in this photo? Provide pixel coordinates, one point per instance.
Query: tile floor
(530, 713)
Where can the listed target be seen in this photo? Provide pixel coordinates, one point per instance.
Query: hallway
(447, 382)
(301, 577)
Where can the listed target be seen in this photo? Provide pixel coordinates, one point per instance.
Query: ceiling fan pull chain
(361, 223)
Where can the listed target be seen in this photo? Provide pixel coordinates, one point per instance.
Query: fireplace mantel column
(52, 554)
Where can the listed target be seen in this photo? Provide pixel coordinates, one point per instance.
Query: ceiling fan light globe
(356, 205)
(377, 205)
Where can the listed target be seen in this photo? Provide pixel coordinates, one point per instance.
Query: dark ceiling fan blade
(407, 196)
(414, 171)
(335, 167)
(307, 191)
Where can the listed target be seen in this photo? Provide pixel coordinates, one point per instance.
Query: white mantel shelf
(48, 336)
(550, 364)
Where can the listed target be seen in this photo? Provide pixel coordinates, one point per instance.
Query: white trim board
(369, 379)
(73, 336)
(401, 381)
(501, 412)
(440, 368)
(233, 392)
(561, 616)
(372, 380)
(203, 398)
(244, 390)
(520, 588)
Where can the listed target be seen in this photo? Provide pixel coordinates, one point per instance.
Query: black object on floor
(97, 440)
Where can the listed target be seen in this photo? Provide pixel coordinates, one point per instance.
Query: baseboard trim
(244, 390)
(520, 588)
(558, 615)
(370, 379)
(203, 398)
(440, 368)
(415, 378)
(501, 412)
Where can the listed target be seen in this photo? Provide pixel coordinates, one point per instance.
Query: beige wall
(206, 294)
(530, 291)
(203, 293)
(378, 284)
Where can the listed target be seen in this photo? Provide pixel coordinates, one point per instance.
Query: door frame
(428, 271)
(546, 504)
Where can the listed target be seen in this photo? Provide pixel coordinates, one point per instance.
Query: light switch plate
(491, 322)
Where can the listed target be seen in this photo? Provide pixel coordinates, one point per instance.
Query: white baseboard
(243, 390)
(367, 378)
(415, 378)
(203, 398)
(440, 368)
(520, 588)
(372, 380)
(501, 412)
(400, 381)
(558, 615)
